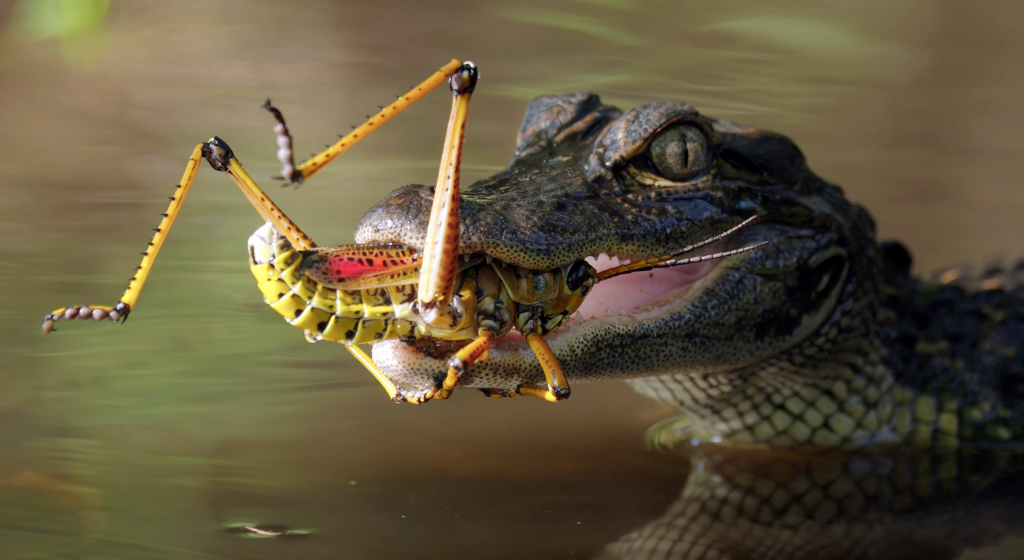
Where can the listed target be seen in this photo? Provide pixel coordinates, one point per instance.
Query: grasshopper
(429, 297)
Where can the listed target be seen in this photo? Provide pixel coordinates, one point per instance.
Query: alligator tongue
(638, 289)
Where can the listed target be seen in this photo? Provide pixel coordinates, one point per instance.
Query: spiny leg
(441, 248)
(296, 175)
(131, 293)
(221, 158)
(553, 374)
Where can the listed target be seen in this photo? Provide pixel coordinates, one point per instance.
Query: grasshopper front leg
(558, 386)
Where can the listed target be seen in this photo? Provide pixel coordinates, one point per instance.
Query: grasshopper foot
(498, 393)
(429, 391)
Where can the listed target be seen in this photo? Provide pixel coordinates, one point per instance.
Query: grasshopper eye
(679, 153)
(577, 275)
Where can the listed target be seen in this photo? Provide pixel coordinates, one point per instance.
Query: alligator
(822, 340)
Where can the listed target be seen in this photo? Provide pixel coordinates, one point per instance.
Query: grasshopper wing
(355, 267)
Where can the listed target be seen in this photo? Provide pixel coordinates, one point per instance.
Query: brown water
(150, 440)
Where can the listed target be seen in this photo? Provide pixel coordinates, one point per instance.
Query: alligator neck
(901, 361)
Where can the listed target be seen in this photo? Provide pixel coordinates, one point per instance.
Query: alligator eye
(679, 153)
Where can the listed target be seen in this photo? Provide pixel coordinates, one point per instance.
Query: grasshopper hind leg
(128, 300)
(221, 158)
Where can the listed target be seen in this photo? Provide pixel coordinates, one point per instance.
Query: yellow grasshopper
(355, 294)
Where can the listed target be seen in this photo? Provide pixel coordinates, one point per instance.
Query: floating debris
(254, 531)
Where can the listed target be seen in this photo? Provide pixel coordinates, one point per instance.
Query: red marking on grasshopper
(360, 266)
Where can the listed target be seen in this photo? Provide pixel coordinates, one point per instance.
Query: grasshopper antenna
(674, 258)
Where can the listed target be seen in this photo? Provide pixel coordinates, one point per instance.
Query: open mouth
(612, 304)
(633, 294)
(627, 297)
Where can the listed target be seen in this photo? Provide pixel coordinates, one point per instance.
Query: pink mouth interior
(637, 290)
(630, 293)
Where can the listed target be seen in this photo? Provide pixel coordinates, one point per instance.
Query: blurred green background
(204, 410)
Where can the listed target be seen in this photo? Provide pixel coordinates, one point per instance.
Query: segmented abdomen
(345, 316)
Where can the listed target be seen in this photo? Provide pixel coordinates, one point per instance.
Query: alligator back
(958, 336)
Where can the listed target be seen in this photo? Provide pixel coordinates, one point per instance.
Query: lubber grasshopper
(355, 294)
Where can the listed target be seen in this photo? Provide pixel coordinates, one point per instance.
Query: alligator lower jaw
(616, 304)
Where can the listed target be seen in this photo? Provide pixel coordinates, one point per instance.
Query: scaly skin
(819, 341)
(905, 503)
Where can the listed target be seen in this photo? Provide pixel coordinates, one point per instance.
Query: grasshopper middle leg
(295, 175)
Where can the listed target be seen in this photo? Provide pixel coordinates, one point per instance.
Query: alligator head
(589, 181)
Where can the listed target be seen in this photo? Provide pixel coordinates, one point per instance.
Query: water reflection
(904, 503)
(45, 515)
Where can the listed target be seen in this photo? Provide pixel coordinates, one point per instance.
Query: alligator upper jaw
(544, 223)
(614, 310)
